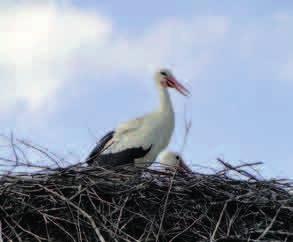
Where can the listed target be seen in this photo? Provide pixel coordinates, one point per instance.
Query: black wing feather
(99, 147)
(124, 157)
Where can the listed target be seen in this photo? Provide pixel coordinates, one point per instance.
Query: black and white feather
(139, 141)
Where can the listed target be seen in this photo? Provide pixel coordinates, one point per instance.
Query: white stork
(139, 141)
(172, 160)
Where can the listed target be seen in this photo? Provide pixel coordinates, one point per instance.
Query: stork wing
(113, 137)
(126, 136)
(129, 126)
(122, 146)
(101, 145)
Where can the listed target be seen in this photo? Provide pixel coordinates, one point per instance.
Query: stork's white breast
(157, 132)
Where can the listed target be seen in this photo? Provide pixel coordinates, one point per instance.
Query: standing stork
(138, 142)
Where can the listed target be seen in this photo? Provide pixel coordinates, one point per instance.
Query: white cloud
(170, 43)
(37, 44)
(43, 46)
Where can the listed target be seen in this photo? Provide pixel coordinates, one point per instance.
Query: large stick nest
(79, 203)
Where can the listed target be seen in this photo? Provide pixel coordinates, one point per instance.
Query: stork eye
(164, 73)
(177, 157)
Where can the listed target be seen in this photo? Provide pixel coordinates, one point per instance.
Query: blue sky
(71, 70)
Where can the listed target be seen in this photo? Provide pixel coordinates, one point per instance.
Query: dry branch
(48, 202)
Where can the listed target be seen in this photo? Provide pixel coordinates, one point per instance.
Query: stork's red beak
(172, 82)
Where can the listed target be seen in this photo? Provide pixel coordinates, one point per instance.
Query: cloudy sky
(72, 70)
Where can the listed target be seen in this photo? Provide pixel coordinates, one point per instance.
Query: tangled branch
(50, 202)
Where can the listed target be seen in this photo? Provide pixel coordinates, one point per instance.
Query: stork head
(173, 160)
(166, 79)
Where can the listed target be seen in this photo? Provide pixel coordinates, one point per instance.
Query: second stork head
(172, 160)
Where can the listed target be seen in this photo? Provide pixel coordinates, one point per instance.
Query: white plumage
(139, 141)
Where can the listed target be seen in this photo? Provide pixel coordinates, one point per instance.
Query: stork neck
(165, 101)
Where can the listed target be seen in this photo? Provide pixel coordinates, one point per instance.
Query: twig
(219, 222)
(270, 225)
(85, 214)
(187, 128)
(80, 203)
(1, 237)
(165, 205)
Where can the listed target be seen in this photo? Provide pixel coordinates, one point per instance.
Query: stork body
(139, 141)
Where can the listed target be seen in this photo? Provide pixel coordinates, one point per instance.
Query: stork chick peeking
(138, 142)
(172, 161)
